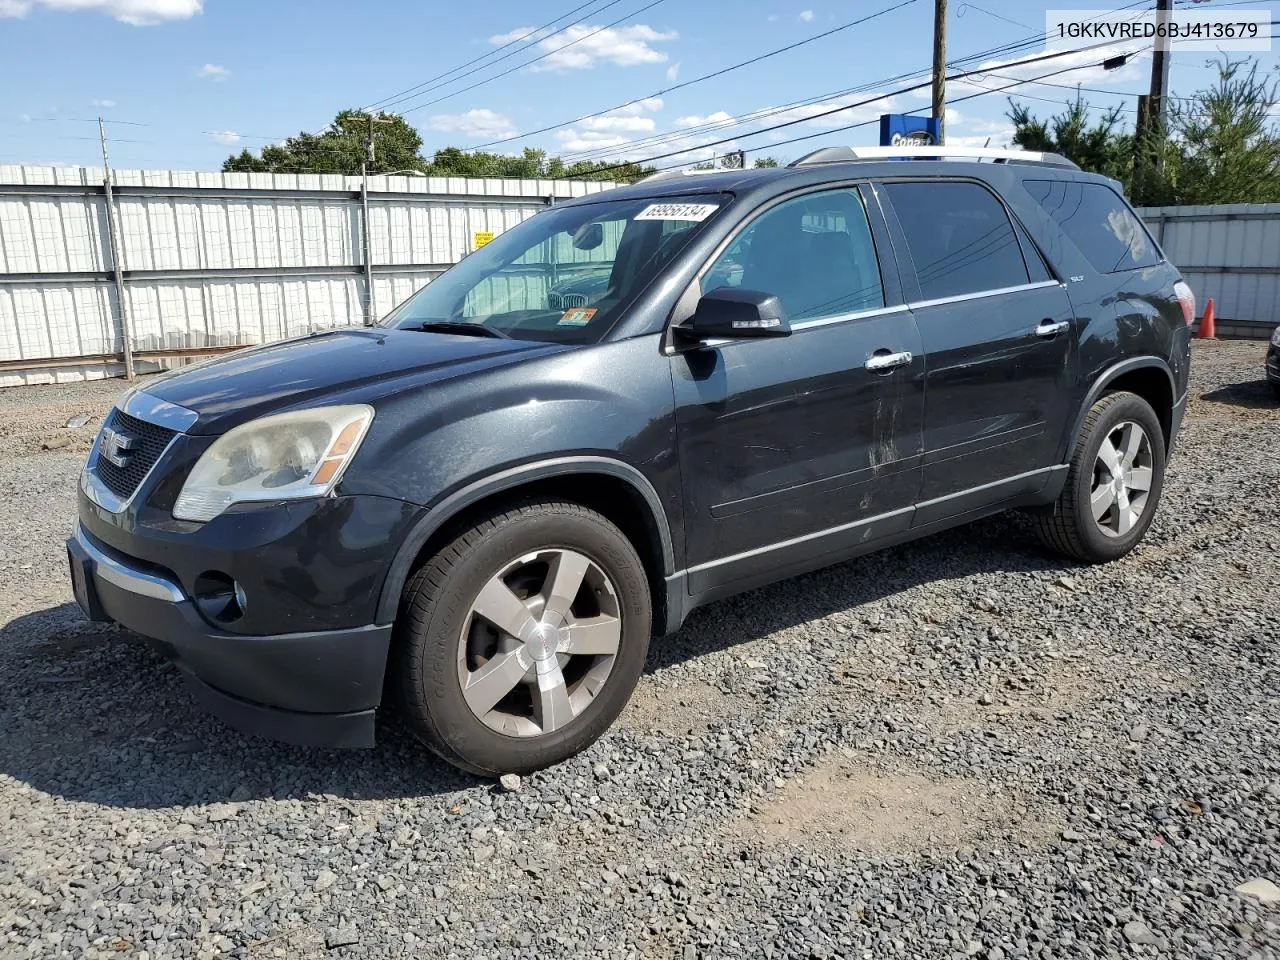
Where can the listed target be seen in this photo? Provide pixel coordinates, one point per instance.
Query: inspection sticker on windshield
(678, 211)
(576, 317)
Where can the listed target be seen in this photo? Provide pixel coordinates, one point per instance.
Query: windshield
(565, 275)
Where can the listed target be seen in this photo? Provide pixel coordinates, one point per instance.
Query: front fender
(450, 506)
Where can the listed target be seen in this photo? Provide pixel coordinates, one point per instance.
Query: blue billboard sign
(900, 129)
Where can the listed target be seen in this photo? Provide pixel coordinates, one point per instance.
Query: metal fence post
(369, 311)
(117, 255)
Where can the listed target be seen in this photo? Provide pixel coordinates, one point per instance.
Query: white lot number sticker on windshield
(678, 211)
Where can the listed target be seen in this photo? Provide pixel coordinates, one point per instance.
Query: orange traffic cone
(1207, 330)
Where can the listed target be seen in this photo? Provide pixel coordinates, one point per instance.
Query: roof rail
(996, 155)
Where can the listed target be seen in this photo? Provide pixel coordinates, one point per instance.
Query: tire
(1275, 388)
(451, 658)
(1071, 527)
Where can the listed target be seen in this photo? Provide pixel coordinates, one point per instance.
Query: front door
(802, 448)
(997, 331)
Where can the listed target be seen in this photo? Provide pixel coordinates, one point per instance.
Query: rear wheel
(522, 640)
(1113, 484)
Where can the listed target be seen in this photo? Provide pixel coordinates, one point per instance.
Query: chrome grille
(148, 441)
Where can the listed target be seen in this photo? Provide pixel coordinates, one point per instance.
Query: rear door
(793, 449)
(998, 341)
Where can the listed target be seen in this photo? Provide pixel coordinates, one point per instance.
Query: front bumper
(1273, 364)
(313, 689)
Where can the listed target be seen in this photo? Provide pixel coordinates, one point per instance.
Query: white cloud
(673, 73)
(479, 124)
(225, 137)
(808, 113)
(104, 104)
(581, 47)
(646, 105)
(806, 15)
(139, 13)
(772, 18)
(693, 120)
(211, 71)
(620, 124)
(605, 131)
(574, 141)
(964, 132)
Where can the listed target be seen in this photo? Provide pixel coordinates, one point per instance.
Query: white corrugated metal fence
(1230, 252)
(213, 259)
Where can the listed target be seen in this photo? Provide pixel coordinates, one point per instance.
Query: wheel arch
(1148, 377)
(611, 487)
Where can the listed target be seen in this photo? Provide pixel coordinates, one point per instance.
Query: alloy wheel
(1122, 478)
(539, 642)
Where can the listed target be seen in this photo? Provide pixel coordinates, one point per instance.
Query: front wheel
(521, 641)
(1113, 483)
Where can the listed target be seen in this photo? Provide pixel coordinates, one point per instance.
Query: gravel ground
(958, 748)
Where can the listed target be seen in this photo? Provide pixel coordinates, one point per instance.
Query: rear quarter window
(1099, 222)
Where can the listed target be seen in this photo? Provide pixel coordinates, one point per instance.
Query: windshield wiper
(461, 327)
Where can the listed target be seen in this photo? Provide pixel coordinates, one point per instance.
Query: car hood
(250, 383)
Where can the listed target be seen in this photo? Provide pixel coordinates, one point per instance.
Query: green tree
(1220, 145)
(1102, 147)
(531, 164)
(1226, 143)
(340, 148)
(765, 162)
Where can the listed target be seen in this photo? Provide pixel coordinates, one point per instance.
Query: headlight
(283, 457)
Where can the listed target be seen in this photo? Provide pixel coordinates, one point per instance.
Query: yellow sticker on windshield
(576, 317)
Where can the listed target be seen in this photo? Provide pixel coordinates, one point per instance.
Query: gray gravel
(958, 748)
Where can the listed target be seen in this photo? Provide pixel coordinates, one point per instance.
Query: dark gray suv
(627, 406)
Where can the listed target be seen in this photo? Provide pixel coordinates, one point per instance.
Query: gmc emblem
(115, 446)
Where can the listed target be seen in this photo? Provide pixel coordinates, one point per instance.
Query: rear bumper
(314, 689)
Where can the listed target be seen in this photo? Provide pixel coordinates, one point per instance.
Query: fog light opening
(219, 597)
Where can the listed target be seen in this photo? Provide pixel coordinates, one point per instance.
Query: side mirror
(588, 236)
(734, 312)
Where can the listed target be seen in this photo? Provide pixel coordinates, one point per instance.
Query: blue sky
(185, 82)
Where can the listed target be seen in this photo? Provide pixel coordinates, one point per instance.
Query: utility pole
(1156, 112)
(113, 239)
(940, 67)
(370, 313)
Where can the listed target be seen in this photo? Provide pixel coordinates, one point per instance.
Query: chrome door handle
(880, 362)
(1048, 328)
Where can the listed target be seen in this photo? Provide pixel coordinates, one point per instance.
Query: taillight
(1188, 301)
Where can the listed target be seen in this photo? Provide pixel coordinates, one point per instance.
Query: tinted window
(814, 253)
(1098, 221)
(959, 236)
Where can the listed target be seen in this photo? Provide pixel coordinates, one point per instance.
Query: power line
(674, 136)
(695, 80)
(919, 86)
(973, 6)
(401, 95)
(127, 123)
(971, 96)
(522, 65)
